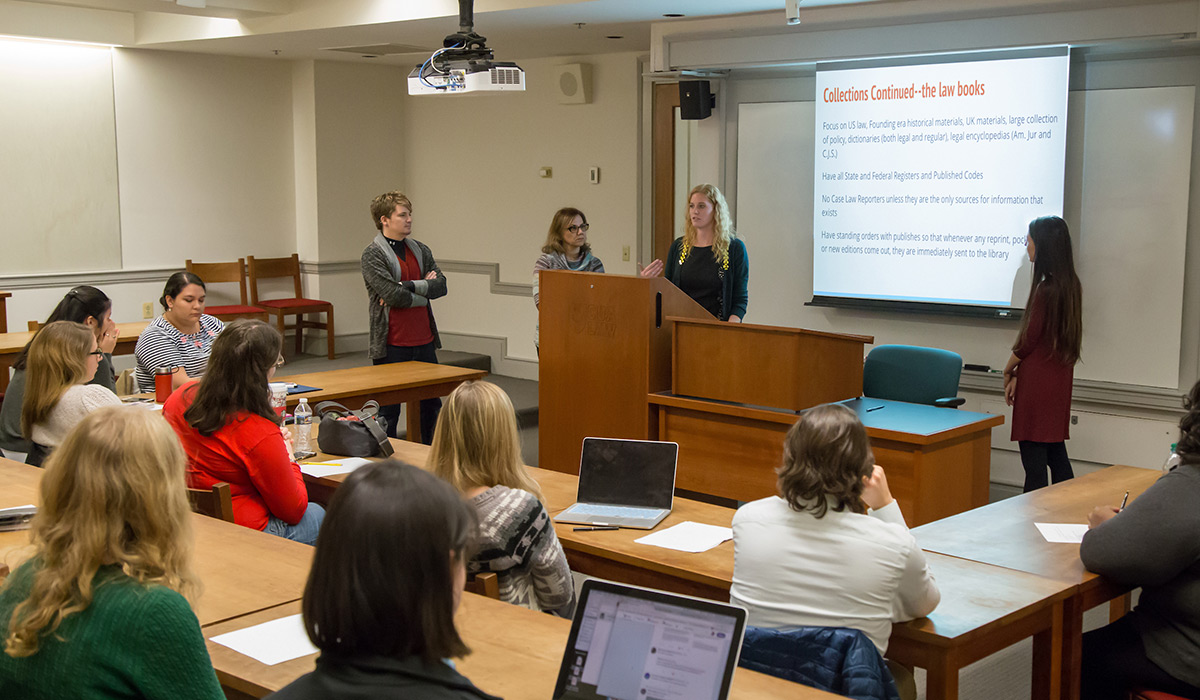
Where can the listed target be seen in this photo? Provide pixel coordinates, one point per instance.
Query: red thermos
(163, 377)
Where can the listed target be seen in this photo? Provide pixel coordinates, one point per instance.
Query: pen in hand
(1123, 502)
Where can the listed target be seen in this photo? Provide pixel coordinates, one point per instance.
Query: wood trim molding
(666, 99)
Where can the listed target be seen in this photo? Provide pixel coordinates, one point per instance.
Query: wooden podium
(604, 346)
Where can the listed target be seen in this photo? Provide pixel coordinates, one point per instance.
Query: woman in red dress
(1044, 356)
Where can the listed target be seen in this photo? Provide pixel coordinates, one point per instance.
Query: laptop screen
(636, 644)
(627, 472)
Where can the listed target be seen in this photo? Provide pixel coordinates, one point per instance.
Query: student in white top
(62, 359)
(814, 555)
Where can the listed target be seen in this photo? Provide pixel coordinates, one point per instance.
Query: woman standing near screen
(709, 262)
(1039, 373)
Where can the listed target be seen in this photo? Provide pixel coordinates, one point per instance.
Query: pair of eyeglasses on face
(97, 353)
(581, 228)
(279, 362)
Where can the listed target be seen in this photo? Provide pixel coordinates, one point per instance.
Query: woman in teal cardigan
(709, 262)
(99, 610)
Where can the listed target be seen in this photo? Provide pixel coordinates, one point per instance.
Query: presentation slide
(927, 176)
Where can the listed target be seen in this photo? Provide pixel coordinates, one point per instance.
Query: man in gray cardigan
(401, 278)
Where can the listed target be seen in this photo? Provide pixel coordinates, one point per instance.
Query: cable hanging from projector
(464, 64)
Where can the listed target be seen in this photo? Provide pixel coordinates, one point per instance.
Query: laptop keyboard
(597, 510)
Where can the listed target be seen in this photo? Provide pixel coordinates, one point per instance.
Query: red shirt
(408, 328)
(250, 454)
(1042, 408)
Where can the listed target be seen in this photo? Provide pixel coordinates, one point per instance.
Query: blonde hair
(476, 441)
(57, 361)
(112, 494)
(723, 233)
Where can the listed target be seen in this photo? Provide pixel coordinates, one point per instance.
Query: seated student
(63, 357)
(813, 556)
(231, 433)
(99, 610)
(477, 449)
(385, 583)
(181, 338)
(83, 304)
(1154, 544)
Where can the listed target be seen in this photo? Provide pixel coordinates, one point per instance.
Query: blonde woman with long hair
(63, 358)
(99, 610)
(477, 449)
(709, 262)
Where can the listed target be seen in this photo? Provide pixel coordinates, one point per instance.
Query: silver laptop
(636, 644)
(625, 483)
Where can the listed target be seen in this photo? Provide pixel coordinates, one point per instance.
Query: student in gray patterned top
(476, 448)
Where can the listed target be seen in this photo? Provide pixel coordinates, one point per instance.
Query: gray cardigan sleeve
(437, 285)
(1154, 539)
(380, 283)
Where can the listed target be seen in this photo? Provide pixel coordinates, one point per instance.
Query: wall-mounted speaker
(696, 100)
(573, 83)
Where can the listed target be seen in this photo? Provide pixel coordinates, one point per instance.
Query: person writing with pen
(1153, 543)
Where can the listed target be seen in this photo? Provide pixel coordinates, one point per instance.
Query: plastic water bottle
(1173, 460)
(304, 416)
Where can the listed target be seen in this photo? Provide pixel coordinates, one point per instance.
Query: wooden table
(11, 345)
(938, 460)
(515, 653)
(396, 382)
(242, 570)
(1003, 534)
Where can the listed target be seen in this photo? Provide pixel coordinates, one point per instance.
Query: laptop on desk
(627, 483)
(633, 643)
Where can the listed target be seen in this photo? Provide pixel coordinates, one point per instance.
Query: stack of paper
(688, 537)
(271, 642)
(331, 467)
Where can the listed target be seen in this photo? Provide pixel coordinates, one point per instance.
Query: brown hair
(382, 578)
(826, 454)
(57, 361)
(236, 377)
(1054, 277)
(112, 493)
(386, 203)
(554, 238)
(79, 304)
(1188, 448)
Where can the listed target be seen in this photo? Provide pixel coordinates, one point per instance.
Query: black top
(400, 248)
(380, 678)
(698, 279)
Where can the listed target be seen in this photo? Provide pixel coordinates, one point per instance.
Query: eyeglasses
(97, 353)
(582, 228)
(279, 362)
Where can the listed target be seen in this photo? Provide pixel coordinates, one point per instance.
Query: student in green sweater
(99, 611)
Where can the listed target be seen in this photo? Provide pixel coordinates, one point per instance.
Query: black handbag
(339, 434)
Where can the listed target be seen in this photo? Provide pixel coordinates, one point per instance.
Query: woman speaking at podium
(1039, 373)
(709, 262)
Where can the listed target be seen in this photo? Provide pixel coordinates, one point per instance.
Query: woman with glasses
(181, 338)
(231, 433)
(63, 358)
(566, 248)
(83, 304)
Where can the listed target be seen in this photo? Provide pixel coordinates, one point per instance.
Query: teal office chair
(913, 374)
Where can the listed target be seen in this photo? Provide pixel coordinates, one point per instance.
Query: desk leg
(1047, 658)
(413, 409)
(5, 365)
(1118, 607)
(941, 677)
(1072, 657)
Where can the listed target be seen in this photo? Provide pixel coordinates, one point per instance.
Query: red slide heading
(905, 92)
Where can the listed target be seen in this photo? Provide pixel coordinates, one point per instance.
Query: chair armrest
(951, 402)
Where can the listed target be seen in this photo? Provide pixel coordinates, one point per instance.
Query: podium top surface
(915, 418)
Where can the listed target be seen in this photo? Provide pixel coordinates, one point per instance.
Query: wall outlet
(148, 310)
(625, 253)
(594, 175)
(545, 171)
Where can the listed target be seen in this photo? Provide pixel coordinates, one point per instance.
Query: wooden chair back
(222, 272)
(269, 268)
(485, 584)
(34, 325)
(215, 502)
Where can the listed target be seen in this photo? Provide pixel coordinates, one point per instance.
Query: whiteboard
(1128, 173)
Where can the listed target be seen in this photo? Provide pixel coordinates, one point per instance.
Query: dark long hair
(1055, 279)
(236, 378)
(78, 304)
(1188, 448)
(382, 581)
(176, 283)
(826, 454)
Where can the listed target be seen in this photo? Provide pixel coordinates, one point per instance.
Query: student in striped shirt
(181, 338)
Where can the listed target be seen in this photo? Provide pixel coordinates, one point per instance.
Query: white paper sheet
(1067, 533)
(688, 537)
(271, 642)
(330, 467)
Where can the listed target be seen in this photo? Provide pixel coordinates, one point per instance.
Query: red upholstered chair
(215, 273)
(1153, 695)
(298, 306)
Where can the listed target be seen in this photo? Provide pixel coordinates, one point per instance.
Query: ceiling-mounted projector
(464, 64)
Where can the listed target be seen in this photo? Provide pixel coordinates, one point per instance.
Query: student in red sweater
(231, 433)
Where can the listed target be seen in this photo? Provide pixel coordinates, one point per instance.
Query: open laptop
(627, 483)
(633, 643)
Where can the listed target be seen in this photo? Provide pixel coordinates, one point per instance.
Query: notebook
(628, 483)
(633, 643)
